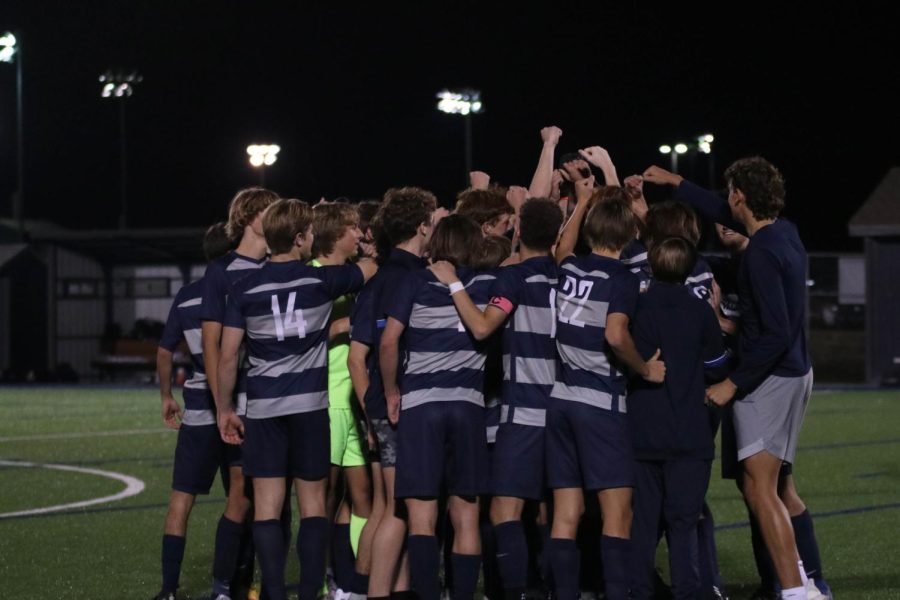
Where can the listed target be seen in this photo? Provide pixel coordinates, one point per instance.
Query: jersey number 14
(290, 319)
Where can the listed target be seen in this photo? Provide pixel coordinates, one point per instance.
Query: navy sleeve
(643, 331)
(708, 204)
(715, 356)
(759, 358)
(342, 279)
(362, 318)
(214, 294)
(173, 330)
(625, 291)
(398, 302)
(233, 315)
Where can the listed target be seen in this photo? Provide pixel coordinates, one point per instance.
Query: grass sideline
(848, 472)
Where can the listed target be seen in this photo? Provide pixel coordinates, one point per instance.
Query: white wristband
(456, 286)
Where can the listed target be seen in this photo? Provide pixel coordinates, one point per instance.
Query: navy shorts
(518, 462)
(198, 455)
(441, 442)
(588, 447)
(297, 445)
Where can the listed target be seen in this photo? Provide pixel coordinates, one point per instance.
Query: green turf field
(848, 472)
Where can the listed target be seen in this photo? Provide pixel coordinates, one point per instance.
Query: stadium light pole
(262, 156)
(11, 51)
(673, 152)
(119, 85)
(466, 103)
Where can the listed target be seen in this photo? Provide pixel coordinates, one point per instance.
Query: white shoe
(812, 592)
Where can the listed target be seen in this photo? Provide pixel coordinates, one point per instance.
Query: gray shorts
(769, 418)
(386, 434)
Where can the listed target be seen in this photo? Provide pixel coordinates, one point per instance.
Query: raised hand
(584, 189)
(634, 186)
(444, 271)
(516, 195)
(597, 156)
(551, 135)
(479, 180)
(660, 176)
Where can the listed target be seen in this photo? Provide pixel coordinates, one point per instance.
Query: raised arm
(599, 157)
(543, 175)
(584, 189)
(707, 203)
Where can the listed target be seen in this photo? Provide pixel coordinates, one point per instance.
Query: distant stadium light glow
(681, 148)
(460, 103)
(119, 84)
(7, 47)
(665, 149)
(263, 154)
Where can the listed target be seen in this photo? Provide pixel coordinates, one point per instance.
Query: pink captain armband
(502, 303)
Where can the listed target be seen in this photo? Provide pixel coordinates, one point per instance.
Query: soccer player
(284, 310)
(245, 228)
(441, 431)
(489, 208)
(673, 443)
(588, 439)
(772, 382)
(403, 230)
(199, 451)
(336, 236)
(522, 297)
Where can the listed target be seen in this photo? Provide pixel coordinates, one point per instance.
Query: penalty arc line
(133, 487)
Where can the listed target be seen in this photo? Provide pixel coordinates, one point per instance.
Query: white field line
(133, 487)
(73, 436)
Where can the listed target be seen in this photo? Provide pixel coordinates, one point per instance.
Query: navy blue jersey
(772, 292)
(591, 287)
(671, 420)
(527, 291)
(635, 257)
(221, 275)
(285, 308)
(369, 316)
(443, 360)
(184, 321)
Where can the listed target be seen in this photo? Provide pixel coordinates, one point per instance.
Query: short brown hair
(330, 221)
(539, 223)
(283, 221)
(456, 239)
(761, 183)
(244, 207)
(367, 210)
(483, 206)
(403, 210)
(671, 219)
(610, 224)
(672, 259)
(494, 250)
(215, 242)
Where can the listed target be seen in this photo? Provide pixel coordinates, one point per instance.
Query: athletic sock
(808, 548)
(228, 543)
(424, 563)
(312, 542)
(356, 528)
(269, 541)
(615, 566)
(565, 561)
(797, 593)
(172, 555)
(512, 555)
(359, 584)
(342, 555)
(466, 568)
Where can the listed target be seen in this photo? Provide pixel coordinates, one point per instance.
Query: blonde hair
(244, 207)
(330, 221)
(283, 220)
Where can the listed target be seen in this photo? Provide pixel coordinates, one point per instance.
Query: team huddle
(479, 381)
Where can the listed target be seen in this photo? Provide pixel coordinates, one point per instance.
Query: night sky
(348, 93)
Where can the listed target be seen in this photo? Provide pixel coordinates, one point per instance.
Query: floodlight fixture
(119, 83)
(464, 102)
(681, 148)
(8, 47)
(665, 149)
(263, 154)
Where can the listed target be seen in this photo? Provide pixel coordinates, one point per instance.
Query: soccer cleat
(813, 593)
(165, 596)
